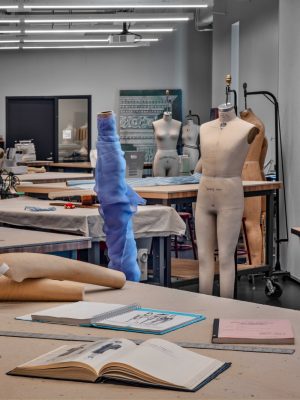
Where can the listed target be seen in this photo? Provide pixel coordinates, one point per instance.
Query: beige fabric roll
(34, 265)
(40, 290)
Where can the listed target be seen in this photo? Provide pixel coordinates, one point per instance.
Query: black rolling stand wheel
(273, 289)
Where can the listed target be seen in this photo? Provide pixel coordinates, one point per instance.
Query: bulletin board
(138, 110)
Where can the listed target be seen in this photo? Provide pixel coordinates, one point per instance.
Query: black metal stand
(270, 96)
(229, 90)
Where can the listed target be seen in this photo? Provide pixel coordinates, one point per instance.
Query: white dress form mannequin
(190, 135)
(166, 132)
(220, 202)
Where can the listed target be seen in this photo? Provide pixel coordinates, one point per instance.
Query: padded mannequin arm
(34, 265)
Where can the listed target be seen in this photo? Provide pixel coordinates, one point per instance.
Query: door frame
(55, 116)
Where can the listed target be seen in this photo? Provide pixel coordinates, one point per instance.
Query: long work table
(50, 177)
(252, 375)
(19, 240)
(176, 194)
(158, 222)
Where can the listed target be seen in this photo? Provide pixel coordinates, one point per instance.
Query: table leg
(269, 230)
(94, 253)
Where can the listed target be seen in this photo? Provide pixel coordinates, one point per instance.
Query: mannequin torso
(166, 132)
(190, 136)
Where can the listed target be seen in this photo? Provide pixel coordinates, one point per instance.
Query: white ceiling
(91, 23)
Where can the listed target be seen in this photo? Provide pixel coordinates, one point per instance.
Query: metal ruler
(191, 345)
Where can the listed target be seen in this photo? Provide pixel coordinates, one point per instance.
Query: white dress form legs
(220, 202)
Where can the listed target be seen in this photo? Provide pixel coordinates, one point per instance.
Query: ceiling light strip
(9, 41)
(78, 40)
(9, 48)
(70, 31)
(78, 47)
(9, 21)
(7, 7)
(103, 20)
(112, 6)
(8, 32)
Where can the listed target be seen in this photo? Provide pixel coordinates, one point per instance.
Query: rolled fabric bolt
(34, 265)
(40, 290)
(118, 201)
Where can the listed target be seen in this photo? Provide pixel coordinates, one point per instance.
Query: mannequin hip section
(166, 163)
(216, 193)
(161, 155)
(193, 156)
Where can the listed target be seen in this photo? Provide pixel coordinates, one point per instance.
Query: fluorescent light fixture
(78, 40)
(112, 6)
(3, 7)
(104, 20)
(54, 31)
(9, 21)
(7, 32)
(9, 41)
(9, 48)
(147, 40)
(76, 47)
(64, 40)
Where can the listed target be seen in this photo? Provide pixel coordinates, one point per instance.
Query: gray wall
(181, 60)
(258, 58)
(289, 89)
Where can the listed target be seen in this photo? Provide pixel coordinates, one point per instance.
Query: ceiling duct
(204, 17)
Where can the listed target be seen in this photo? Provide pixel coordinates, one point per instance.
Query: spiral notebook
(115, 316)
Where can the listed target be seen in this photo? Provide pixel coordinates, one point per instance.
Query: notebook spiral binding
(115, 313)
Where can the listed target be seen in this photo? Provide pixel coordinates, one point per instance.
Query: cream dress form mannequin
(252, 172)
(166, 132)
(220, 201)
(190, 136)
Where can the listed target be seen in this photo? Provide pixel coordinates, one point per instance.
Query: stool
(187, 218)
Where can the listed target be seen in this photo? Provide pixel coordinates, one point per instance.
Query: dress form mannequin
(166, 132)
(252, 172)
(190, 135)
(220, 202)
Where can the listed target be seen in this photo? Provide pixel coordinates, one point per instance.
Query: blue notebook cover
(148, 320)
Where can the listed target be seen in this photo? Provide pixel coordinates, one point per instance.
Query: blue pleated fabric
(118, 201)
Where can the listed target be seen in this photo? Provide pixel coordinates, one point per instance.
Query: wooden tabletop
(251, 376)
(19, 240)
(65, 165)
(48, 177)
(167, 192)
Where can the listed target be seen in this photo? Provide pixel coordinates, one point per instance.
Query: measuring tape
(191, 345)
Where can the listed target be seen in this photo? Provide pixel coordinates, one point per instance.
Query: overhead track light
(9, 48)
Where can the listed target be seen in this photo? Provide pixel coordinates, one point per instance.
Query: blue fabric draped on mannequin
(118, 201)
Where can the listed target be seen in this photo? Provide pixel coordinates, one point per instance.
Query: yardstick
(191, 345)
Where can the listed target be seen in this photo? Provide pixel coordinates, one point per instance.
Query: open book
(267, 331)
(115, 316)
(155, 362)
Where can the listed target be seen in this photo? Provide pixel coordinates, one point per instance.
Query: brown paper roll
(34, 265)
(40, 290)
